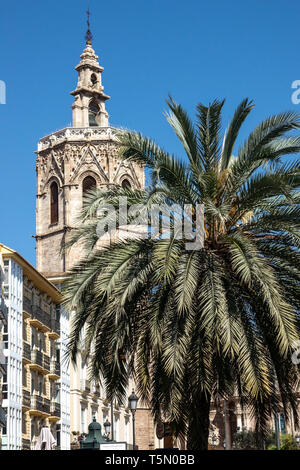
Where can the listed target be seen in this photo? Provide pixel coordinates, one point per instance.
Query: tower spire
(88, 35)
(89, 97)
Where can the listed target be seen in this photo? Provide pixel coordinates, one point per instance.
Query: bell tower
(89, 105)
(72, 160)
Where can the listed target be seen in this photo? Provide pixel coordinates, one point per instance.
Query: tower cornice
(77, 134)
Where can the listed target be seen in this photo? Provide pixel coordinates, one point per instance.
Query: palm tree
(199, 325)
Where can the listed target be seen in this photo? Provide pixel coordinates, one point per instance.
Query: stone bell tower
(74, 160)
(89, 105)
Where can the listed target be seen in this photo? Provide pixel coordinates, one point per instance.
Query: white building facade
(13, 340)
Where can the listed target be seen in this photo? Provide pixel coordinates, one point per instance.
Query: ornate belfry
(72, 160)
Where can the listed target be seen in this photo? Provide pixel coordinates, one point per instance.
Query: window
(54, 203)
(58, 435)
(126, 184)
(41, 341)
(93, 111)
(32, 384)
(57, 312)
(83, 419)
(57, 393)
(93, 79)
(33, 342)
(40, 381)
(88, 184)
(116, 428)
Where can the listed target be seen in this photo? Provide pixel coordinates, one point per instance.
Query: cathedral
(70, 162)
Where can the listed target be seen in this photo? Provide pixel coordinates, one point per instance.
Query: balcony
(40, 319)
(39, 406)
(25, 444)
(54, 370)
(55, 329)
(27, 306)
(3, 311)
(36, 360)
(26, 352)
(46, 405)
(39, 361)
(2, 417)
(55, 411)
(26, 399)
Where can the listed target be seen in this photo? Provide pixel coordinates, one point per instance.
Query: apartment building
(3, 368)
(35, 389)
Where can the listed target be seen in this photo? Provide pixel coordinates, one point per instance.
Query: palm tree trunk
(198, 427)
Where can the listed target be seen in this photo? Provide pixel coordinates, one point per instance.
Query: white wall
(13, 286)
(64, 381)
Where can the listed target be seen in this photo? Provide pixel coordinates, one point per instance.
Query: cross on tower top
(88, 35)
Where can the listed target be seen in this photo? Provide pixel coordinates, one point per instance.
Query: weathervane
(88, 35)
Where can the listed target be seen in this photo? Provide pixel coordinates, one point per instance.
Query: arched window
(93, 111)
(126, 184)
(54, 203)
(88, 184)
(93, 79)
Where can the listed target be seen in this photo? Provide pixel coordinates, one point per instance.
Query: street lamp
(132, 402)
(297, 439)
(107, 429)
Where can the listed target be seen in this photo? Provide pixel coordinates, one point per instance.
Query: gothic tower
(73, 160)
(70, 162)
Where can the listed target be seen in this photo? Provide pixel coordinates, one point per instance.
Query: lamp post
(132, 401)
(297, 439)
(112, 419)
(107, 429)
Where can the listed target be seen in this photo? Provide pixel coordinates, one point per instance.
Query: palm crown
(197, 325)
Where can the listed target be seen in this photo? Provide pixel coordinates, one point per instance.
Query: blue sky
(195, 50)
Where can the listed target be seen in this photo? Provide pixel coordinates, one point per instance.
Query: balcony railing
(41, 316)
(46, 404)
(40, 404)
(55, 367)
(3, 311)
(26, 398)
(55, 325)
(37, 357)
(25, 444)
(55, 409)
(26, 351)
(27, 305)
(46, 362)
